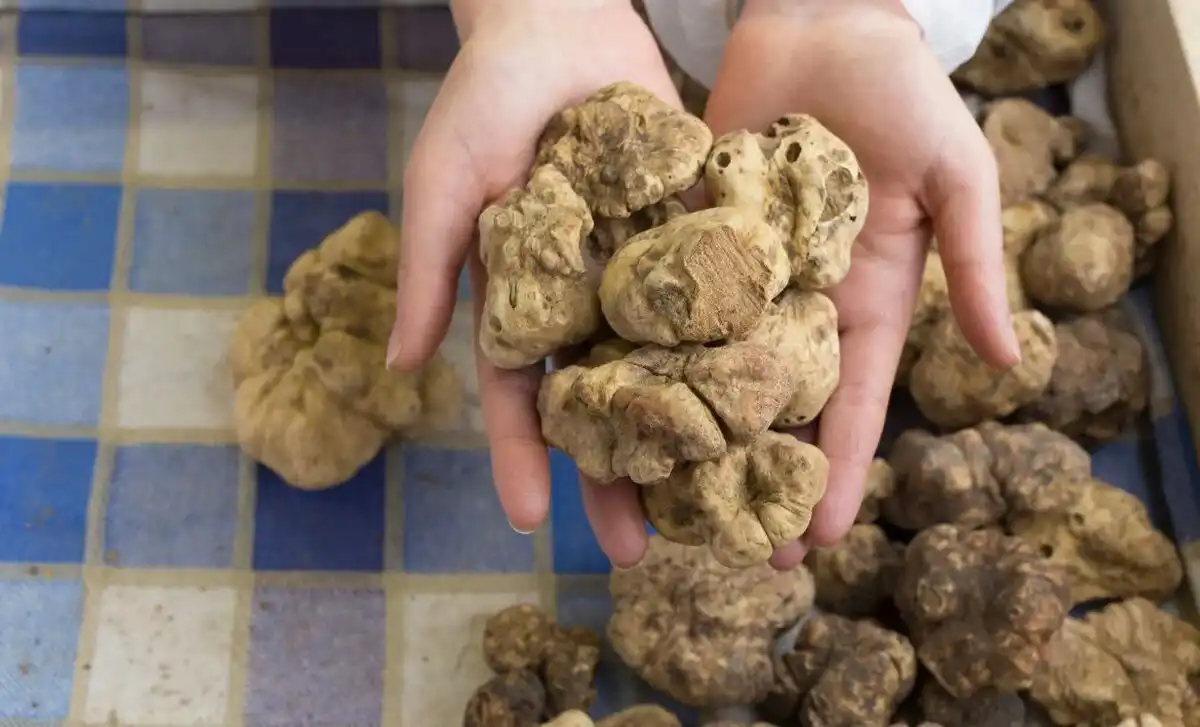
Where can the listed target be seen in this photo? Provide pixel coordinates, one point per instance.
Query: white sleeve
(954, 28)
(694, 32)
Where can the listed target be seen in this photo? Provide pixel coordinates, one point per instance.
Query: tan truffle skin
(1082, 263)
(955, 388)
(542, 277)
(933, 304)
(744, 504)
(857, 576)
(698, 278)
(1127, 660)
(1029, 145)
(699, 631)
(655, 408)
(803, 328)
(980, 607)
(805, 182)
(854, 673)
(641, 715)
(623, 149)
(881, 484)
(1102, 537)
(1034, 44)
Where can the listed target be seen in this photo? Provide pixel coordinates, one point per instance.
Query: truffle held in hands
(805, 182)
(623, 149)
(953, 387)
(847, 673)
(1030, 146)
(1034, 44)
(699, 631)
(1128, 660)
(1100, 384)
(746, 503)
(698, 278)
(856, 577)
(654, 409)
(980, 607)
(619, 151)
(313, 400)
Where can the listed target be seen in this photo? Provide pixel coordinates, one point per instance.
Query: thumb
(962, 196)
(442, 197)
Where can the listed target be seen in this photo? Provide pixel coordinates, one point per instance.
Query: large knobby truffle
(1084, 262)
(699, 631)
(848, 673)
(542, 274)
(953, 387)
(1030, 146)
(803, 328)
(744, 504)
(1034, 44)
(644, 414)
(623, 149)
(805, 182)
(313, 399)
(698, 278)
(1100, 535)
(1101, 380)
(856, 577)
(971, 477)
(1120, 663)
(980, 607)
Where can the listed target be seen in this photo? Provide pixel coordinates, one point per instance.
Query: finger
(442, 200)
(871, 341)
(789, 556)
(963, 199)
(615, 512)
(520, 461)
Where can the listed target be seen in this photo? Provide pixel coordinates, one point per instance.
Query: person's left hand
(862, 69)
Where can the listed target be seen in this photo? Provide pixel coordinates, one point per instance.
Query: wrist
(470, 14)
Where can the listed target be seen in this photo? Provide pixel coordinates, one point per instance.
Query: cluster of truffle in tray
(990, 578)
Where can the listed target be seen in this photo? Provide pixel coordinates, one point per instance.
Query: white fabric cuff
(954, 28)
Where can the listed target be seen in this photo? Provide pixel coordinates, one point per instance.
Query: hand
(521, 61)
(862, 69)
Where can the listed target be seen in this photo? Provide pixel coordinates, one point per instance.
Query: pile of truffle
(949, 603)
(313, 400)
(697, 335)
(1079, 230)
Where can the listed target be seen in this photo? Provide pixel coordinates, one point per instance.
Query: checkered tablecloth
(161, 172)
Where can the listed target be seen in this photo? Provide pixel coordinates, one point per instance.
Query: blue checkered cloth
(161, 172)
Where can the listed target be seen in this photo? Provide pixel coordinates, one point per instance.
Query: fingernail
(519, 531)
(393, 351)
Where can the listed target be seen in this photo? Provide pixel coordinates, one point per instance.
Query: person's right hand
(521, 61)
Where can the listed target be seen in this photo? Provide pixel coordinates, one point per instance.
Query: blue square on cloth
(89, 5)
(70, 118)
(192, 242)
(316, 658)
(300, 220)
(59, 33)
(52, 355)
(320, 38)
(338, 529)
(44, 489)
(453, 522)
(59, 236)
(574, 546)
(172, 506)
(348, 116)
(37, 648)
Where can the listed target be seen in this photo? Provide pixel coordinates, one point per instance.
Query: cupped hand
(862, 69)
(520, 62)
